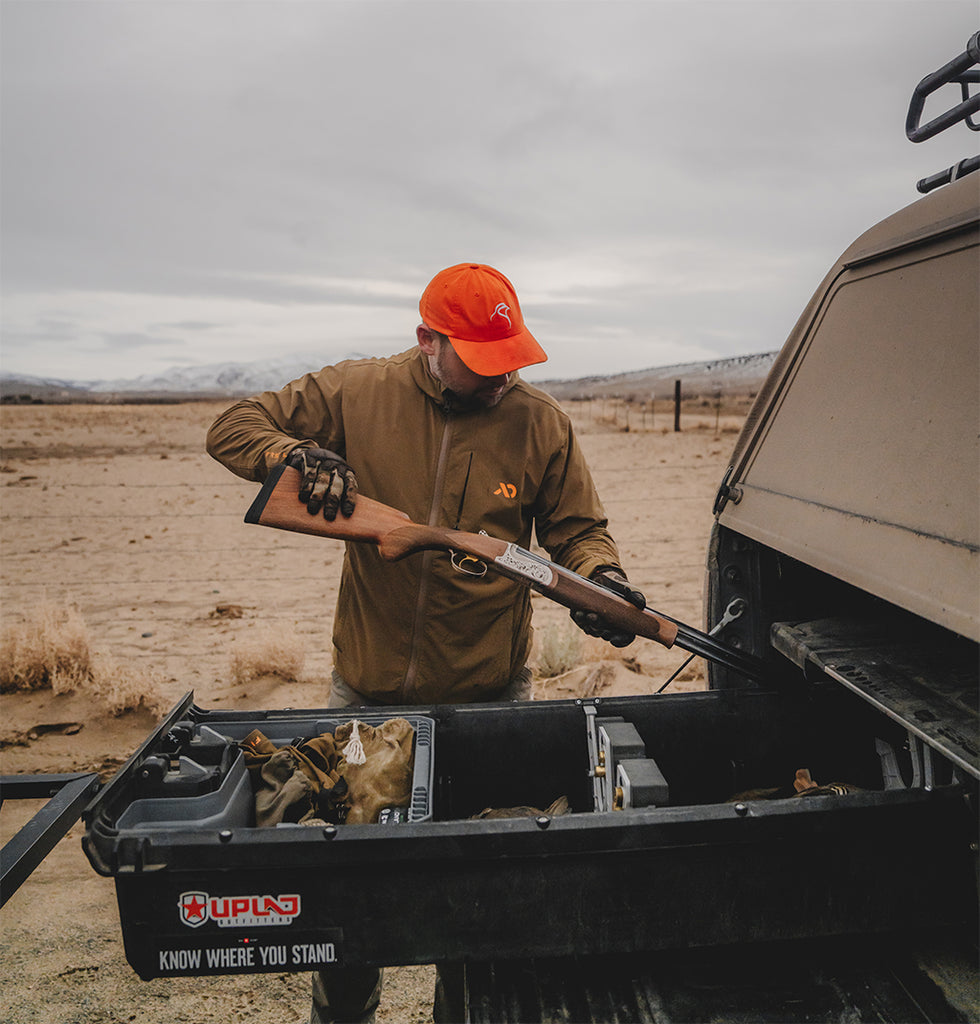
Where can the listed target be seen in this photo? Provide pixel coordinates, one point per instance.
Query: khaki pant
(350, 995)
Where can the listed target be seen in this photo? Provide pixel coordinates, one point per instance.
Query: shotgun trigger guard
(524, 564)
(468, 564)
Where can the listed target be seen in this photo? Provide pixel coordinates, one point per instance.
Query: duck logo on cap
(502, 310)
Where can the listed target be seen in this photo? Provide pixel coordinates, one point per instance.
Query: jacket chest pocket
(485, 493)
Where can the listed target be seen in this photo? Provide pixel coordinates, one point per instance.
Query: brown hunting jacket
(419, 631)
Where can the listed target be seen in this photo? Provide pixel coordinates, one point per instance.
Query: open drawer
(682, 863)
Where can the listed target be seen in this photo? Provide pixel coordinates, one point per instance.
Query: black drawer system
(684, 829)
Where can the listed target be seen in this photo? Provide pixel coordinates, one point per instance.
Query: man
(448, 433)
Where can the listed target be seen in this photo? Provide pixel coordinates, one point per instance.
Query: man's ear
(426, 339)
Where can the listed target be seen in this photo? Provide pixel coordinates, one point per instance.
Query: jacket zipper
(422, 600)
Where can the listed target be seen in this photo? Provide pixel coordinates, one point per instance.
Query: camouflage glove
(328, 482)
(595, 625)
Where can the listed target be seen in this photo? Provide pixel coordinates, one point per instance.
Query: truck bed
(893, 981)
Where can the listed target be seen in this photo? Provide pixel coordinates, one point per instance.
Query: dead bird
(559, 807)
(803, 785)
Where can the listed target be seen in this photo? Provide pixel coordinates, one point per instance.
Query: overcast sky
(664, 181)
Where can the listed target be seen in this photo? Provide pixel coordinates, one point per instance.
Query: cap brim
(492, 358)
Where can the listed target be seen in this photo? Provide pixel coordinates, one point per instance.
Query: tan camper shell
(848, 523)
(861, 454)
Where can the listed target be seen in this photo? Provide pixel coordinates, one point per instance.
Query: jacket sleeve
(570, 522)
(256, 434)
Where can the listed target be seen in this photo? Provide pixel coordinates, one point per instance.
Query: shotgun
(396, 536)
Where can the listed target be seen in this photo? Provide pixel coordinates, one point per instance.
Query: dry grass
(273, 652)
(51, 649)
(121, 687)
(561, 647)
(557, 649)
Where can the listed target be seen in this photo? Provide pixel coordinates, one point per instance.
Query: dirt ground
(117, 512)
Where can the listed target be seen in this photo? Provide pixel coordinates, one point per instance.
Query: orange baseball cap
(476, 307)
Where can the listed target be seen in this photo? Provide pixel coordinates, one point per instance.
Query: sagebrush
(557, 649)
(50, 648)
(270, 652)
(560, 647)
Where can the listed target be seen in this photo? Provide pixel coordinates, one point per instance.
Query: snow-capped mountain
(742, 374)
(212, 380)
(221, 380)
(215, 378)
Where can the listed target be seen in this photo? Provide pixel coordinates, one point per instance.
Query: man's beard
(454, 402)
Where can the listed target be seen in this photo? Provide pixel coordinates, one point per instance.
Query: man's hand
(328, 482)
(595, 625)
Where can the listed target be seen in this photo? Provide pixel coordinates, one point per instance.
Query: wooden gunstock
(278, 505)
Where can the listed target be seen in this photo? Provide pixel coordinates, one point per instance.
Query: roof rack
(962, 71)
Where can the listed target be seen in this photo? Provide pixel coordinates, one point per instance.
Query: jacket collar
(424, 379)
(433, 388)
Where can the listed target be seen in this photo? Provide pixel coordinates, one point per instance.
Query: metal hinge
(726, 493)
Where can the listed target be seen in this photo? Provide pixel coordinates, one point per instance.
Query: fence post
(677, 406)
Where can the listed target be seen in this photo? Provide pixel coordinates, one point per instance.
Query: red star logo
(194, 907)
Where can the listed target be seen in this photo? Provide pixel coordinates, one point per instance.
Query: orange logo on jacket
(507, 490)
